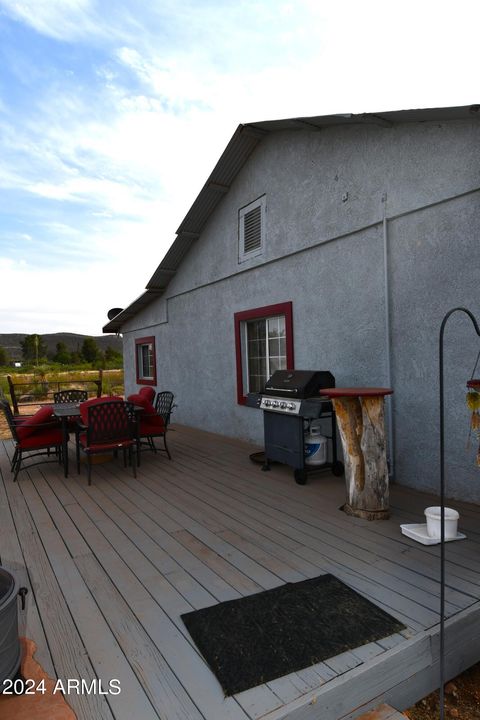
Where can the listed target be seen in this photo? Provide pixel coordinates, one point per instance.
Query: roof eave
(115, 325)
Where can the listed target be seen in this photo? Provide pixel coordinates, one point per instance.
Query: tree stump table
(361, 424)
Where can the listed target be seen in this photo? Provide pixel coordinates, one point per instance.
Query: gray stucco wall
(326, 256)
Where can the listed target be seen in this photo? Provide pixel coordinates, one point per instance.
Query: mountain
(11, 342)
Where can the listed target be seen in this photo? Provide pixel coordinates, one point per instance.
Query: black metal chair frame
(35, 451)
(111, 426)
(164, 406)
(71, 395)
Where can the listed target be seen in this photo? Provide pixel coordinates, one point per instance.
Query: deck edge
(400, 676)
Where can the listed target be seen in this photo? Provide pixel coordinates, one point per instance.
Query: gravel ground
(462, 699)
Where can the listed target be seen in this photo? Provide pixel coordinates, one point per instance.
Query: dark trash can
(10, 649)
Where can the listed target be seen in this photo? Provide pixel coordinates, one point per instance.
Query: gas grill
(290, 398)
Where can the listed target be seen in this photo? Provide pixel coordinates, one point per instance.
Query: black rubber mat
(261, 637)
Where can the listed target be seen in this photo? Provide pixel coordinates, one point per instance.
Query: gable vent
(252, 230)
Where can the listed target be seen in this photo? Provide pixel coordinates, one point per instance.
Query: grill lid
(298, 383)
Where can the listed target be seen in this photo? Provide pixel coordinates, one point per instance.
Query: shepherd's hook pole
(442, 502)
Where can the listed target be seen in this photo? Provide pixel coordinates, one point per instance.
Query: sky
(114, 112)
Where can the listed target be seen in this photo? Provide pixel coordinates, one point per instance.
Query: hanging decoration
(473, 404)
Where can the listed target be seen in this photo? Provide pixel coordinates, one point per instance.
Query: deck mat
(261, 637)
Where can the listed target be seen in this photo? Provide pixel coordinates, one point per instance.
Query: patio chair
(156, 425)
(35, 435)
(71, 395)
(108, 426)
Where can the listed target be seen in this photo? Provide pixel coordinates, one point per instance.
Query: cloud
(53, 299)
(60, 19)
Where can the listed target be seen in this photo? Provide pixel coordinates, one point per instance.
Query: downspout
(389, 399)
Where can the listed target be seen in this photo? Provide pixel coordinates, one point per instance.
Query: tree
(33, 348)
(113, 356)
(90, 351)
(4, 359)
(62, 355)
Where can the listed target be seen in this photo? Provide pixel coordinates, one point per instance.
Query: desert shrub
(4, 387)
(113, 382)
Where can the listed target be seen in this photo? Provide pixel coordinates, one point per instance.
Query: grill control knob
(283, 405)
(275, 403)
(268, 403)
(291, 406)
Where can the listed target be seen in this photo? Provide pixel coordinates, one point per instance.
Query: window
(251, 229)
(145, 360)
(263, 343)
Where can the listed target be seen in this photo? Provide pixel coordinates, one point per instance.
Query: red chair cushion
(150, 422)
(148, 393)
(141, 401)
(152, 426)
(43, 439)
(95, 401)
(31, 424)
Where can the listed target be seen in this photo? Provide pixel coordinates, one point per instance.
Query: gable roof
(241, 145)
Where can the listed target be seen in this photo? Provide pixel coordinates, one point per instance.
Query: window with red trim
(263, 344)
(146, 361)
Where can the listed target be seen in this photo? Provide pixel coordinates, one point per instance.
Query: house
(345, 240)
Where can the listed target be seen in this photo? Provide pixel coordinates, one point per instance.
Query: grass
(39, 384)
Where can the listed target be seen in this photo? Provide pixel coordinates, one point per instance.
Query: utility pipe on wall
(389, 400)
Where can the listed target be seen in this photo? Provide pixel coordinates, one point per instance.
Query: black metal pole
(442, 502)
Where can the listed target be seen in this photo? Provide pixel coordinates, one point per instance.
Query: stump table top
(356, 392)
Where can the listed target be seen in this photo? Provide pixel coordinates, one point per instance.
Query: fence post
(100, 383)
(11, 387)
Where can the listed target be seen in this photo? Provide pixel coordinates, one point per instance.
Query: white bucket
(433, 515)
(315, 448)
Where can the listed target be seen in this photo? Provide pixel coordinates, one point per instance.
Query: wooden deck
(112, 567)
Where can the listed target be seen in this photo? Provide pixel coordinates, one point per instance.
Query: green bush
(4, 387)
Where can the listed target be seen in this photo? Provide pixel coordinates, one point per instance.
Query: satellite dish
(114, 312)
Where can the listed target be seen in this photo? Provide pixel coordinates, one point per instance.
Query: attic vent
(251, 229)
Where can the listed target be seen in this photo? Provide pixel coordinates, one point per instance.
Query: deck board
(102, 648)
(112, 567)
(314, 544)
(64, 641)
(339, 542)
(151, 603)
(13, 560)
(381, 548)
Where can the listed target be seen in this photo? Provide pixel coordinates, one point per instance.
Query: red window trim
(145, 341)
(256, 313)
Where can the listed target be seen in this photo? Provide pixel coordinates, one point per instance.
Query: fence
(40, 390)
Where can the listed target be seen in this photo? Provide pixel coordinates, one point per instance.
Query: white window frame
(141, 345)
(261, 202)
(245, 348)
(145, 357)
